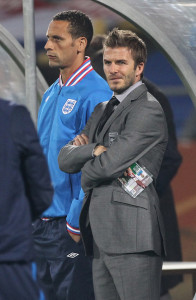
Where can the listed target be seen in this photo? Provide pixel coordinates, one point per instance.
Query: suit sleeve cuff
(73, 230)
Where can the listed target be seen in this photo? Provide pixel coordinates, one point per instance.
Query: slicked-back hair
(127, 38)
(80, 24)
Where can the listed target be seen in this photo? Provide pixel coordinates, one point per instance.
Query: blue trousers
(18, 281)
(65, 273)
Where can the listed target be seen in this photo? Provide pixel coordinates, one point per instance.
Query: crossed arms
(142, 133)
(67, 158)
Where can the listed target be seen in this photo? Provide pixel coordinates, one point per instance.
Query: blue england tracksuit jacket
(63, 113)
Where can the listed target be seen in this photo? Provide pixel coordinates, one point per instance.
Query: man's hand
(98, 150)
(75, 237)
(80, 140)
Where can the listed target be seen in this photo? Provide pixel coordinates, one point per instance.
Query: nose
(113, 68)
(48, 45)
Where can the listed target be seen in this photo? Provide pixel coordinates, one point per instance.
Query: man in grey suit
(124, 233)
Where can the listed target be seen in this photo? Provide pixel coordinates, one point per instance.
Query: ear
(82, 43)
(139, 70)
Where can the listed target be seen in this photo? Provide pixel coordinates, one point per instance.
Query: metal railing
(170, 268)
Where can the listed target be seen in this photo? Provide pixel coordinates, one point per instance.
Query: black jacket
(25, 186)
(171, 162)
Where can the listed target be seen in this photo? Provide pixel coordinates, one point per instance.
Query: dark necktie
(107, 112)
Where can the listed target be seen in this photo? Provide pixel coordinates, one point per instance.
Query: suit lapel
(128, 101)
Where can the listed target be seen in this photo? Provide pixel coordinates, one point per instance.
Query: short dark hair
(80, 24)
(129, 39)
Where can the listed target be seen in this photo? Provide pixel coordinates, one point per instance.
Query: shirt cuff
(73, 230)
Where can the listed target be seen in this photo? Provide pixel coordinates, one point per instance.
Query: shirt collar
(122, 96)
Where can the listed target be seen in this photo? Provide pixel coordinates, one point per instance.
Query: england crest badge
(68, 106)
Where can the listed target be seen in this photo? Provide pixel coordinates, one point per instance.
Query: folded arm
(143, 132)
(72, 158)
(75, 154)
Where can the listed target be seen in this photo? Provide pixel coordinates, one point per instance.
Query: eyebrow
(116, 61)
(54, 36)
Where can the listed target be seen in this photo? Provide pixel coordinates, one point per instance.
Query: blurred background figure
(25, 192)
(95, 51)
(171, 162)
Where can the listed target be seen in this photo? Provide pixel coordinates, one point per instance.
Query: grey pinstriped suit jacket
(118, 222)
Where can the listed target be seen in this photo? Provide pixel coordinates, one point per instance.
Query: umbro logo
(72, 255)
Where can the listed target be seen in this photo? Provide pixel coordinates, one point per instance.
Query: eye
(56, 38)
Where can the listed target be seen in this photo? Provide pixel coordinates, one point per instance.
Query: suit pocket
(139, 201)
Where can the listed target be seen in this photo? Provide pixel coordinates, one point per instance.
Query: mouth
(114, 79)
(51, 57)
(114, 76)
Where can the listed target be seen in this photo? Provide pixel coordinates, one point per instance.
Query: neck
(68, 71)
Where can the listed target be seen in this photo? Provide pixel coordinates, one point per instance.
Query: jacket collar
(123, 95)
(79, 74)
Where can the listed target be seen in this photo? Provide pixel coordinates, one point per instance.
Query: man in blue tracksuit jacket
(25, 192)
(64, 271)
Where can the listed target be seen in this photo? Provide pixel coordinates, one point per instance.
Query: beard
(120, 89)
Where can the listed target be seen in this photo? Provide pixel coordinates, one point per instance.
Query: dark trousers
(18, 281)
(134, 276)
(65, 273)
